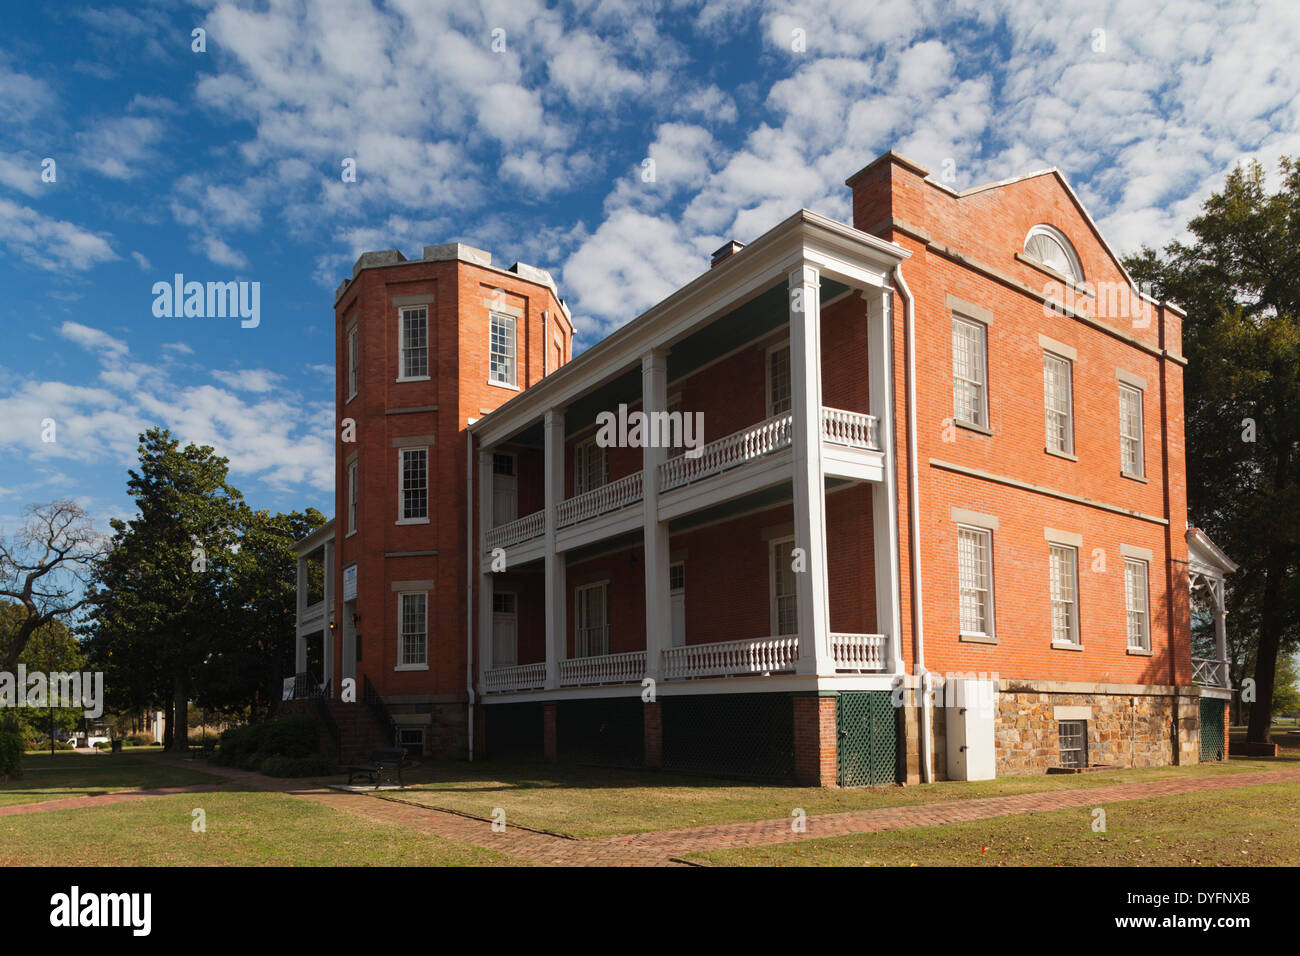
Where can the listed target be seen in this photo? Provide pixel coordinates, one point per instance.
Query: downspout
(914, 528)
(469, 581)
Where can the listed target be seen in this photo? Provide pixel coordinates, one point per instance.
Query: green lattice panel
(1211, 729)
(867, 745)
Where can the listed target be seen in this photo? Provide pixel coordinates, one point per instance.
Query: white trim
(494, 316)
(1141, 431)
(1075, 631)
(401, 636)
(1068, 365)
(401, 490)
(354, 498)
(773, 548)
(982, 411)
(352, 336)
(767, 376)
(990, 632)
(402, 347)
(1060, 239)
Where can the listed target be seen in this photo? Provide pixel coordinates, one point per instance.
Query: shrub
(248, 746)
(11, 749)
(198, 737)
(39, 745)
(141, 738)
(312, 766)
(102, 745)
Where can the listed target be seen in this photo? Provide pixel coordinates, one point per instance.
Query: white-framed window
(785, 607)
(1063, 567)
(413, 346)
(1131, 458)
(504, 629)
(412, 629)
(590, 466)
(413, 480)
(591, 620)
(505, 489)
(1058, 401)
(975, 580)
(501, 349)
(411, 739)
(1047, 245)
(778, 380)
(352, 498)
(1073, 738)
(354, 359)
(970, 372)
(677, 601)
(1135, 604)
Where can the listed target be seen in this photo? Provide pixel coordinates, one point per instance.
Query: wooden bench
(383, 760)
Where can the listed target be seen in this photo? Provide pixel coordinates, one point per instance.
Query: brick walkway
(102, 799)
(665, 847)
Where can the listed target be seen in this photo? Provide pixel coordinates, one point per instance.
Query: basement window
(412, 739)
(1074, 742)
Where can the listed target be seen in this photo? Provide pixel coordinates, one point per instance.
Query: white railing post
(809, 474)
(553, 430)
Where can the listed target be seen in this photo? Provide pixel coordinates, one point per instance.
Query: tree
(160, 589)
(45, 568)
(50, 648)
(254, 651)
(1238, 277)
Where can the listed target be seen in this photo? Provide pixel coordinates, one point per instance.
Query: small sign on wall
(350, 583)
(287, 692)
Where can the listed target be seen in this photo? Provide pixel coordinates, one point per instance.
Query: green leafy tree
(161, 588)
(51, 648)
(1238, 277)
(254, 652)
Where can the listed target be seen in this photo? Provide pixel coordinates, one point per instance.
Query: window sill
(1061, 454)
(1139, 652)
(978, 429)
(415, 378)
(1061, 646)
(978, 638)
(1132, 477)
(505, 385)
(350, 533)
(411, 521)
(411, 667)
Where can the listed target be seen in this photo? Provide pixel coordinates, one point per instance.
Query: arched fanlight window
(1049, 246)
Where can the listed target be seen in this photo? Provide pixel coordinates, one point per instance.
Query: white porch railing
(764, 655)
(767, 436)
(522, 677)
(855, 429)
(604, 669)
(610, 497)
(521, 529)
(858, 652)
(1209, 673)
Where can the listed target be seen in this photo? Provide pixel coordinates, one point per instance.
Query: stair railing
(379, 708)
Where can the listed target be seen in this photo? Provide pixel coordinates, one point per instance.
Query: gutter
(914, 528)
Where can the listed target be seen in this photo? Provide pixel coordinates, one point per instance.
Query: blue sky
(521, 128)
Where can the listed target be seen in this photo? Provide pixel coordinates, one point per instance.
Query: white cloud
(120, 147)
(248, 380)
(50, 243)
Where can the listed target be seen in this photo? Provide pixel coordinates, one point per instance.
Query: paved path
(666, 847)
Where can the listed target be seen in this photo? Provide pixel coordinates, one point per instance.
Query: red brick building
(901, 500)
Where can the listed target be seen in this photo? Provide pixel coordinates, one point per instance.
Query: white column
(1220, 630)
(658, 601)
(809, 475)
(327, 617)
(553, 430)
(485, 590)
(300, 651)
(884, 495)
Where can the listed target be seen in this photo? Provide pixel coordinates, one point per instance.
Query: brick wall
(814, 741)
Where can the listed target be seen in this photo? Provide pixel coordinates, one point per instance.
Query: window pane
(415, 342)
(1130, 430)
(1135, 603)
(1061, 560)
(968, 372)
(501, 358)
(1056, 398)
(412, 628)
(415, 478)
(779, 380)
(973, 580)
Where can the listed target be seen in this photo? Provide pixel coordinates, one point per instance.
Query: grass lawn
(246, 828)
(1252, 826)
(591, 801)
(69, 774)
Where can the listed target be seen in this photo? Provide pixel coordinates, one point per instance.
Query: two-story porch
(759, 556)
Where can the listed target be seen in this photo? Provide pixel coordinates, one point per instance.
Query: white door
(677, 593)
(505, 499)
(592, 636)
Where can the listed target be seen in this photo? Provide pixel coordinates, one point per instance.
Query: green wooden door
(867, 744)
(1211, 729)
